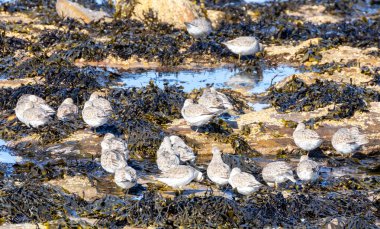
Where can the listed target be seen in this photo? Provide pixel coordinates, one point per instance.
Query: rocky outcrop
(174, 12)
(216, 17)
(68, 9)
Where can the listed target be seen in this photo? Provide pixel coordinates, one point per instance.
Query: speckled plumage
(112, 160)
(183, 151)
(217, 170)
(180, 176)
(125, 177)
(33, 110)
(35, 117)
(166, 157)
(111, 142)
(277, 172)
(306, 139)
(67, 110)
(199, 27)
(244, 46)
(307, 170)
(96, 111)
(244, 183)
(196, 114)
(214, 101)
(347, 141)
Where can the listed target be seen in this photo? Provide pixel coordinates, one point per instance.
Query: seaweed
(296, 96)
(258, 210)
(9, 45)
(33, 202)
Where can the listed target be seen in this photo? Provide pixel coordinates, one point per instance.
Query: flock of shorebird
(174, 158)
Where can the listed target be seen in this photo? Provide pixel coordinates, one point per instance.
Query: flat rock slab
(78, 185)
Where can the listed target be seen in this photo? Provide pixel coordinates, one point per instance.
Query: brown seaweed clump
(297, 96)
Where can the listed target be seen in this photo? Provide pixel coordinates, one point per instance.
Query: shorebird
(125, 177)
(277, 172)
(183, 151)
(33, 110)
(306, 139)
(96, 111)
(166, 158)
(112, 160)
(111, 142)
(307, 170)
(179, 176)
(196, 114)
(244, 46)
(35, 117)
(214, 101)
(199, 27)
(244, 183)
(67, 110)
(217, 170)
(347, 141)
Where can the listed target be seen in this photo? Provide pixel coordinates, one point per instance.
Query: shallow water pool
(5, 156)
(254, 82)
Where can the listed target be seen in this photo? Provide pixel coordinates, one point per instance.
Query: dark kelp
(296, 95)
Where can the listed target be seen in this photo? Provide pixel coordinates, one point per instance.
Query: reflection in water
(256, 82)
(245, 80)
(258, 106)
(4, 1)
(5, 156)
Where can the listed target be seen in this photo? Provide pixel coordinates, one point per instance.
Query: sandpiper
(306, 139)
(277, 172)
(22, 105)
(38, 111)
(166, 158)
(179, 176)
(112, 160)
(183, 151)
(97, 100)
(35, 117)
(217, 170)
(347, 141)
(214, 101)
(125, 177)
(67, 110)
(199, 27)
(96, 111)
(196, 114)
(244, 46)
(244, 183)
(111, 142)
(307, 170)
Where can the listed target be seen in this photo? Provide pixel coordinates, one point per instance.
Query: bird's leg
(275, 185)
(179, 191)
(239, 58)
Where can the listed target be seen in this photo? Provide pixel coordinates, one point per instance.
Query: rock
(315, 14)
(216, 17)
(68, 9)
(79, 185)
(336, 223)
(174, 12)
